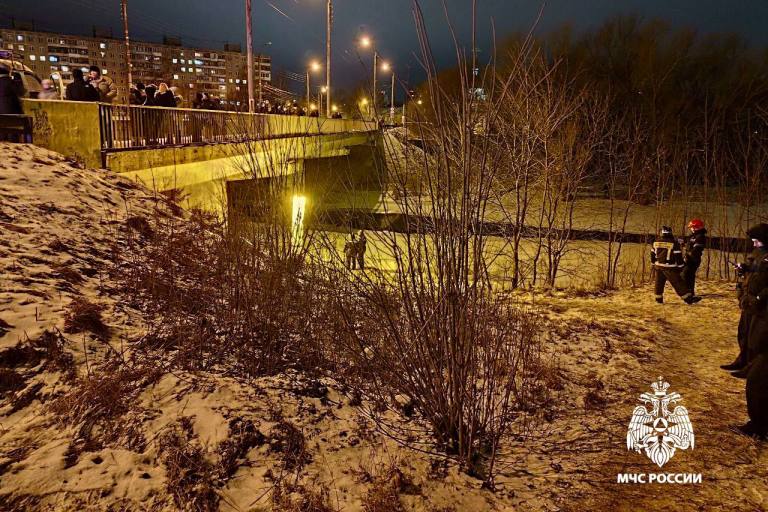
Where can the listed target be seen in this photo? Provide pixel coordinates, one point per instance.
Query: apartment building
(220, 73)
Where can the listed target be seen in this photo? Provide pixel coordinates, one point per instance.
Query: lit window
(65, 68)
(230, 80)
(102, 45)
(42, 57)
(84, 70)
(184, 69)
(191, 86)
(21, 47)
(175, 61)
(237, 81)
(10, 47)
(104, 71)
(175, 77)
(53, 58)
(245, 81)
(32, 57)
(19, 37)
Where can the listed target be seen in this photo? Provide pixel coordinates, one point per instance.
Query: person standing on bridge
(667, 260)
(103, 84)
(79, 90)
(694, 249)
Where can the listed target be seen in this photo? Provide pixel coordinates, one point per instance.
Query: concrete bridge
(198, 151)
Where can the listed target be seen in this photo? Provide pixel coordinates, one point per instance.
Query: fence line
(125, 127)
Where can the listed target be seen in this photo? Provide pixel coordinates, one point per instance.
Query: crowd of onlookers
(96, 86)
(153, 95)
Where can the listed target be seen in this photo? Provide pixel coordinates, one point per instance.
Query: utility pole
(124, 11)
(375, 94)
(249, 42)
(307, 91)
(328, 27)
(259, 70)
(392, 99)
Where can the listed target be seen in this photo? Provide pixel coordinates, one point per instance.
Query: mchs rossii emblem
(656, 430)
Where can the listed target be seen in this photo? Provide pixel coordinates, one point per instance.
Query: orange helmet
(696, 224)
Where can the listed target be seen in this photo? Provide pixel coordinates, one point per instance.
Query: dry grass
(299, 498)
(190, 477)
(84, 316)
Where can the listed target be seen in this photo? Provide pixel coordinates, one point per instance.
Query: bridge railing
(125, 127)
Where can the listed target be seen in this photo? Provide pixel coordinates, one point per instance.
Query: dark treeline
(637, 113)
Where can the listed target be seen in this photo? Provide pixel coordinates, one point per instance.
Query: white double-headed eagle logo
(659, 432)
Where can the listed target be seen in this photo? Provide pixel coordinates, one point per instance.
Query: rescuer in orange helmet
(694, 249)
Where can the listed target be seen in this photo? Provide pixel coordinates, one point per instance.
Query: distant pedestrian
(10, 92)
(103, 84)
(667, 260)
(362, 246)
(694, 249)
(164, 96)
(79, 89)
(49, 91)
(350, 252)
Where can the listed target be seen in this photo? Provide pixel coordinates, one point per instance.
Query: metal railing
(124, 127)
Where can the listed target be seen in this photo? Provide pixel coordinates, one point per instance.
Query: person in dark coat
(11, 90)
(362, 246)
(755, 300)
(350, 252)
(667, 260)
(694, 250)
(164, 97)
(149, 95)
(79, 90)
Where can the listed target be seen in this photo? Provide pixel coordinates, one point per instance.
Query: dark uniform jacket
(694, 248)
(10, 91)
(755, 298)
(666, 253)
(81, 91)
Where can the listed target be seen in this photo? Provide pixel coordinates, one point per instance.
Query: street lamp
(328, 27)
(385, 66)
(367, 42)
(314, 66)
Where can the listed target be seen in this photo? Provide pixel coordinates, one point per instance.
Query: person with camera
(753, 276)
(754, 362)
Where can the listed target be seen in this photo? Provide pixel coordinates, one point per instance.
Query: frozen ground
(58, 224)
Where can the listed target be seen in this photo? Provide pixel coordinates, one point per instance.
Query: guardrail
(124, 127)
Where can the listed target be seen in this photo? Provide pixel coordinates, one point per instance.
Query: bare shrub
(433, 334)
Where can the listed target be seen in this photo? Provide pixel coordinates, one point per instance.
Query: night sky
(297, 34)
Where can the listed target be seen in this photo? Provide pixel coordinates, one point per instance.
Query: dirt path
(686, 345)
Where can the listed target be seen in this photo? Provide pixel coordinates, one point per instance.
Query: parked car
(32, 83)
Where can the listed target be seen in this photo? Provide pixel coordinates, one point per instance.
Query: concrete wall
(67, 127)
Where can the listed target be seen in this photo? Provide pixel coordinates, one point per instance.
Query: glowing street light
(313, 66)
(365, 42)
